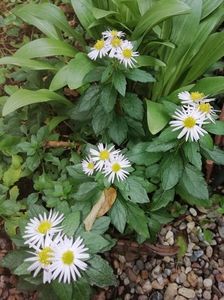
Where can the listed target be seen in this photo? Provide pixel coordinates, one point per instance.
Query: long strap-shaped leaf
(24, 97)
(25, 62)
(50, 13)
(160, 11)
(45, 47)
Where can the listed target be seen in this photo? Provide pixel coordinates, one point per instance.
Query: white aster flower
(193, 98)
(88, 166)
(190, 121)
(114, 45)
(102, 155)
(38, 227)
(41, 259)
(110, 34)
(207, 110)
(126, 55)
(99, 49)
(116, 168)
(68, 259)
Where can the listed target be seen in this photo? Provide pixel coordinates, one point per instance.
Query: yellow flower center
(68, 257)
(45, 255)
(90, 165)
(44, 227)
(195, 96)
(99, 45)
(116, 42)
(127, 53)
(189, 122)
(116, 167)
(114, 33)
(104, 155)
(205, 107)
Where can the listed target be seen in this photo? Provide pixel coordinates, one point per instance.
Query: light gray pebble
(193, 212)
(221, 231)
(127, 297)
(221, 287)
(207, 295)
(207, 283)
(126, 281)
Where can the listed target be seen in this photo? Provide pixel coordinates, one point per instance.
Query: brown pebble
(156, 285)
(144, 274)
(192, 278)
(131, 275)
(219, 277)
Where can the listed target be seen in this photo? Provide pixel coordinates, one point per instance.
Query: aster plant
(111, 126)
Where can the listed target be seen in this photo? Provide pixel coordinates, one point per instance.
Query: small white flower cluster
(195, 112)
(113, 46)
(111, 162)
(54, 253)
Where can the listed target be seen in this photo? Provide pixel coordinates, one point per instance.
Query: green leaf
(149, 61)
(83, 10)
(100, 273)
(140, 156)
(101, 13)
(101, 120)
(77, 69)
(210, 85)
(22, 269)
(94, 242)
(118, 130)
(14, 172)
(119, 82)
(13, 259)
(171, 170)
(101, 225)
(89, 99)
(192, 153)
(86, 189)
(81, 290)
(71, 223)
(23, 62)
(60, 79)
(194, 183)
(118, 215)
(206, 141)
(160, 146)
(215, 128)
(108, 98)
(62, 290)
(140, 75)
(24, 97)
(132, 106)
(157, 117)
(45, 47)
(156, 14)
(161, 199)
(212, 51)
(133, 190)
(134, 215)
(217, 155)
(209, 7)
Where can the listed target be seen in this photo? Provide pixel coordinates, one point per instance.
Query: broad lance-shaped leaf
(24, 97)
(24, 62)
(157, 117)
(160, 11)
(45, 47)
(210, 85)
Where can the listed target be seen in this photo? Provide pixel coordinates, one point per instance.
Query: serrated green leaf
(161, 199)
(215, 128)
(108, 97)
(100, 273)
(71, 223)
(28, 63)
(118, 215)
(135, 213)
(140, 75)
(119, 82)
(118, 130)
(132, 106)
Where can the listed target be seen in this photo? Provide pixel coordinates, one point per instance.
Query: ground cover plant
(107, 132)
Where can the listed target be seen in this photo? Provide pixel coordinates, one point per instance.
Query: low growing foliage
(111, 125)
